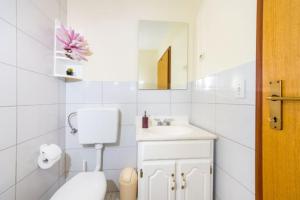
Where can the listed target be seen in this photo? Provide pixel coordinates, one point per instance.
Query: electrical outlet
(239, 89)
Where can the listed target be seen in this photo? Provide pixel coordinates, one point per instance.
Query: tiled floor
(112, 191)
(112, 196)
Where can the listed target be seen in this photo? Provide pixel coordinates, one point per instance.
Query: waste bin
(128, 184)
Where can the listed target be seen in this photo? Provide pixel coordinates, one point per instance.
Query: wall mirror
(162, 55)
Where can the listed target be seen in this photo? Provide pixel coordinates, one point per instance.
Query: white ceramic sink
(178, 131)
(169, 130)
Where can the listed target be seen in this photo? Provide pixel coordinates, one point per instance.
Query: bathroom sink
(177, 131)
(170, 130)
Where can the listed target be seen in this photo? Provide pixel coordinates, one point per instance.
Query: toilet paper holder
(49, 155)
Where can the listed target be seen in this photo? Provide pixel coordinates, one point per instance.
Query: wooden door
(158, 181)
(194, 180)
(164, 71)
(281, 61)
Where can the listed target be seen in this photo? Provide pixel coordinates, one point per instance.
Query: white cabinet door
(158, 180)
(194, 180)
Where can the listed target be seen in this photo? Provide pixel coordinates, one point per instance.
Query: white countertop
(170, 133)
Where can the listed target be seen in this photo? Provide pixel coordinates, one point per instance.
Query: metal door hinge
(141, 173)
(211, 169)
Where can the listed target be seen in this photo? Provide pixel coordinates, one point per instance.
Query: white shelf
(67, 60)
(62, 62)
(68, 77)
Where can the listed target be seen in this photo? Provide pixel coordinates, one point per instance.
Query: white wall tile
(8, 11)
(51, 191)
(8, 195)
(36, 184)
(203, 115)
(181, 109)
(119, 92)
(127, 136)
(61, 138)
(62, 91)
(32, 21)
(71, 140)
(154, 109)
(228, 188)
(48, 7)
(31, 50)
(181, 96)
(62, 165)
(237, 160)
(34, 88)
(63, 11)
(61, 115)
(75, 157)
(7, 168)
(28, 152)
(7, 85)
(84, 92)
(34, 56)
(109, 161)
(203, 90)
(233, 120)
(236, 122)
(225, 92)
(36, 120)
(8, 127)
(128, 112)
(8, 43)
(154, 96)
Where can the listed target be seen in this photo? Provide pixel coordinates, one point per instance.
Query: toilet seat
(83, 186)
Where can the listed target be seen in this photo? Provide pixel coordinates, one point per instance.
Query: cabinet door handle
(173, 183)
(183, 181)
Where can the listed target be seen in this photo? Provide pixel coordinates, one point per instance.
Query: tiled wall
(32, 102)
(215, 108)
(131, 102)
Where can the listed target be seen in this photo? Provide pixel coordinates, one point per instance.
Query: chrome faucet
(159, 122)
(165, 122)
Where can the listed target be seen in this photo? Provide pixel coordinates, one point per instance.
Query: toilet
(85, 185)
(96, 126)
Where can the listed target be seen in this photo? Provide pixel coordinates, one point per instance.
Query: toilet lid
(83, 186)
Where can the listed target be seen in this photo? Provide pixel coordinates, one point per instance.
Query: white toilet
(95, 126)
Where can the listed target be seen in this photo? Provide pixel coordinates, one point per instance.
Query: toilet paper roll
(49, 155)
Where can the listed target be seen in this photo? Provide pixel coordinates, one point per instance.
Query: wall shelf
(62, 62)
(68, 77)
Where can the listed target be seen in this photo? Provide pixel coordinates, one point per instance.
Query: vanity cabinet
(194, 177)
(158, 180)
(181, 170)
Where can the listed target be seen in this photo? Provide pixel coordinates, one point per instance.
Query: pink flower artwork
(74, 44)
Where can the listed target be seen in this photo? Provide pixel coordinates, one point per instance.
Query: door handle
(183, 182)
(275, 102)
(173, 184)
(275, 98)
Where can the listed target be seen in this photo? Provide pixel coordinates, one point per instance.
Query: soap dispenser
(145, 121)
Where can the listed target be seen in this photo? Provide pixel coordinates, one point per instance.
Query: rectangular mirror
(163, 55)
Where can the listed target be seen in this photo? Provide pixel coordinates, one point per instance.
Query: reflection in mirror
(163, 55)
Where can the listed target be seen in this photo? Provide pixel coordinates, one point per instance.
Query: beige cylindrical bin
(128, 184)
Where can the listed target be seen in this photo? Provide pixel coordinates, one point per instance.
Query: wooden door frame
(258, 107)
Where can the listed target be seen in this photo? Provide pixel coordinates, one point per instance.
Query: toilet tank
(98, 125)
